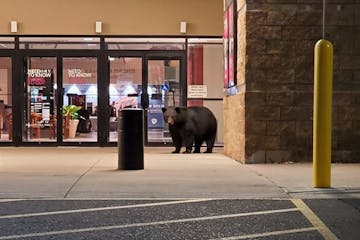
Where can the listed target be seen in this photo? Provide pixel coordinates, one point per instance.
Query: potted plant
(71, 120)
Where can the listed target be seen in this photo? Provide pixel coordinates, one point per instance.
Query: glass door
(147, 80)
(124, 89)
(40, 108)
(80, 99)
(165, 85)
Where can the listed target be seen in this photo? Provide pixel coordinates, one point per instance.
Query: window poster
(155, 114)
(40, 87)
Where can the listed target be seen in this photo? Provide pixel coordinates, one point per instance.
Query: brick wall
(277, 64)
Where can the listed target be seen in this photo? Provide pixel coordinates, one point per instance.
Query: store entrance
(165, 87)
(72, 100)
(59, 95)
(150, 81)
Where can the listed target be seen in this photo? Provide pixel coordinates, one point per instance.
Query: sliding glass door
(151, 81)
(55, 86)
(125, 88)
(80, 94)
(163, 90)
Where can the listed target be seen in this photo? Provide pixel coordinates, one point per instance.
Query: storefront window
(6, 126)
(7, 43)
(205, 77)
(145, 43)
(143, 79)
(205, 69)
(59, 43)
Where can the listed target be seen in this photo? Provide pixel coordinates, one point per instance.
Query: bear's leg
(188, 148)
(177, 144)
(176, 138)
(177, 149)
(210, 144)
(188, 142)
(198, 142)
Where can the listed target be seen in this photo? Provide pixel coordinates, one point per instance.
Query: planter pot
(73, 123)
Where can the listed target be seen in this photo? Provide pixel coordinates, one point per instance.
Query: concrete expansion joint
(283, 189)
(80, 177)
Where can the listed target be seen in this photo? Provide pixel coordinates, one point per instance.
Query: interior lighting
(129, 89)
(74, 90)
(92, 90)
(113, 91)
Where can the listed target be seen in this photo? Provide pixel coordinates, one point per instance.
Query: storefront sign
(77, 75)
(197, 91)
(38, 77)
(40, 82)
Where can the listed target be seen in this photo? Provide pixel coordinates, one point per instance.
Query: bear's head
(172, 115)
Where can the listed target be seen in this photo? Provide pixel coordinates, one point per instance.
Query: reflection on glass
(6, 125)
(164, 91)
(40, 108)
(124, 88)
(80, 99)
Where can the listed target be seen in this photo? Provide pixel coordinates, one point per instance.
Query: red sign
(36, 81)
(38, 77)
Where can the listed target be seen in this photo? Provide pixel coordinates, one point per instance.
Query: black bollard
(131, 139)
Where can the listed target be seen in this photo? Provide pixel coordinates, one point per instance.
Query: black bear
(191, 125)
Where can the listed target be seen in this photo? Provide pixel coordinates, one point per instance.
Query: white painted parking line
(268, 234)
(315, 220)
(102, 208)
(81, 230)
(10, 200)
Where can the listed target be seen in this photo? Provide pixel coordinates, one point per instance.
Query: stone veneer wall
(277, 90)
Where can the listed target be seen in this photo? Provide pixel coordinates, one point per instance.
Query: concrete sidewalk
(76, 172)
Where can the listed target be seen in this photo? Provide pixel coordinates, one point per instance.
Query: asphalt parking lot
(180, 219)
(78, 193)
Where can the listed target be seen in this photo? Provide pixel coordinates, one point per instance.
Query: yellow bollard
(323, 78)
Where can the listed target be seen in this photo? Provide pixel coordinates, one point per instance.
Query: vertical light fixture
(98, 26)
(182, 27)
(13, 27)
